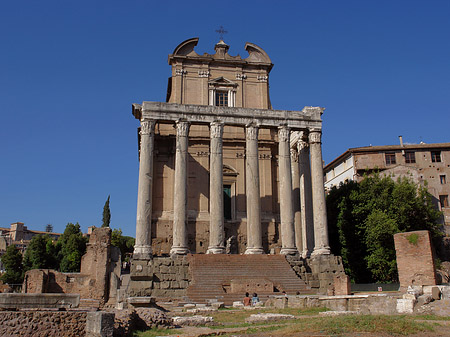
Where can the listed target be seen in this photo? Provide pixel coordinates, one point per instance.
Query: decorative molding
(315, 137)
(203, 73)
(241, 76)
(283, 134)
(262, 78)
(294, 155)
(202, 154)
(251, 132)
(240, 155)
(216, 130)
(147, 127)
(182, 129)
(265, 156)
(180, 72)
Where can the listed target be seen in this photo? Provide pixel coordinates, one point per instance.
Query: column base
(305, 254)
(289, 251)
(216, 250)
(179, 251)
(321, 251)
(254, 251)
(142, 252)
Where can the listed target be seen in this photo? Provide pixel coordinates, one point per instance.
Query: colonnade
(308, 171)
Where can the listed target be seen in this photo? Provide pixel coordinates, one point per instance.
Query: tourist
(255, 299)
(247, 300)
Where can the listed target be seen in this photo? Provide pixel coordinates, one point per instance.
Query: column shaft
(143, 246)
(216, 222)
(296, 201)
(254, 230)
(286, 203)
(180, 239)
(306, 207)
(318, 193)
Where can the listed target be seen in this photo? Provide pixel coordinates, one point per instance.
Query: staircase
(212, 276)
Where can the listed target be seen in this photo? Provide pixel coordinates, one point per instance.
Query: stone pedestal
(254, 231)
(321, 245)
(180, 240)
(286, 202)
(143, 246)
(216, 227)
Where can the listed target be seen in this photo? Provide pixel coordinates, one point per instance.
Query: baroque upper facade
(220, 170)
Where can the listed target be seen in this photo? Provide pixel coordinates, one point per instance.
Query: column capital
(284, 133)
(216, 129)
(182, 128)
(147, 127)
(294, 155)
(251, 132)
(315, 136)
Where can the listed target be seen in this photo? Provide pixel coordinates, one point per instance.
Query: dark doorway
(227, 202)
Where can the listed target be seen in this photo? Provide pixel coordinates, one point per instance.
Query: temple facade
(220, 170)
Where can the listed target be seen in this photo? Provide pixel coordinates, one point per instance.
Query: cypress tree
(106, 214)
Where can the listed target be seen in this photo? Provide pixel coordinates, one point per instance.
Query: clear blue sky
(70, 70)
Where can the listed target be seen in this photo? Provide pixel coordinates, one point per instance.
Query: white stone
(193, 320)
(238, 304)
(405, 306)
(255, 318)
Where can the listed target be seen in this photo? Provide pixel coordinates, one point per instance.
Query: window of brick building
(390, 158)
(410, 157)
(443, 199)
(221, 98)
(443, 179)
(436, 156)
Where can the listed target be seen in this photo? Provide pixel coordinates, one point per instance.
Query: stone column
(254, 230)
(216, 222)
(321, 245)
(296, 200)
(180, 240)
(286, 203)
(306, 207)
(143, 246)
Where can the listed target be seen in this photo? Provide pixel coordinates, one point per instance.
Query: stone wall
(42, 323)
(415, 260)
(163, 277)
(318, 272)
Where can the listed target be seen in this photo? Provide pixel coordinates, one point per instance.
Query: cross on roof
(221, 31)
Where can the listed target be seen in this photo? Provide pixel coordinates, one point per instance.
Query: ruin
(221, 171)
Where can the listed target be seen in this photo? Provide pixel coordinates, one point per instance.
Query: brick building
(422, 162)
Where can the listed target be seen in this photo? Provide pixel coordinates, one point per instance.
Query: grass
(156, 332)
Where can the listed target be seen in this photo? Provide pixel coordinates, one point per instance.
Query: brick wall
(415, 261)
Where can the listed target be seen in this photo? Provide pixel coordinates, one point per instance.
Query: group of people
(250, 301)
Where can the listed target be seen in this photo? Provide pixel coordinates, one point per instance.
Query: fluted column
(296, 200)
(286, 205)
(254, 230)
(306, 207)
(216, 222)
(143, 245)
(321, 245)
(180, 240)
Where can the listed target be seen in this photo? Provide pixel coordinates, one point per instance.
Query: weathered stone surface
(256, 318)
(100, 324)
(192, 320)
(33, 301)
(405, 306)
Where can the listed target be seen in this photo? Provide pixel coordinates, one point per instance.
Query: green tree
(106, 214)
(124, 243)
(71, 246)
(363, 217)
(40, 253)
(12, 261)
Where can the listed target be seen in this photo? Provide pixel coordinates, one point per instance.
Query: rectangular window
(443, 180)
(443, 199)
(436, 156)
(221, 98)
(227, 202)
(390, 158)
(410, 157)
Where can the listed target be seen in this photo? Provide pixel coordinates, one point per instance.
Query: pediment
(222, 81)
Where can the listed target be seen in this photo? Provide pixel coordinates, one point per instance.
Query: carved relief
(263, 78)
(202, 154)
(147, 127)
(252, 132)
(314, 136)
(182, 129)
(241, 76)
(203, 73)
(180, 72)
(216, 130)
(283, 134)
(294, 155)
(240, 155)
(265, 156)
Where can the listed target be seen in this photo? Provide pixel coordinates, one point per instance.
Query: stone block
(238, 304)
(174, 284)
(189, 306)
(405, 306)
(164, 285)
(33, 301)
(445, 291)
(217, 305)
(192, 321)
(296, 302)
(164, 269)
(100, 324)
(435, 293)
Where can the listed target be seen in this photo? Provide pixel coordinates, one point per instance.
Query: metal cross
(221, 31)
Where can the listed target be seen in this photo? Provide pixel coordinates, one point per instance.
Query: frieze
(180, 72)
(263, 78)
(147, 127)
(241, 76)
(203, 73)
